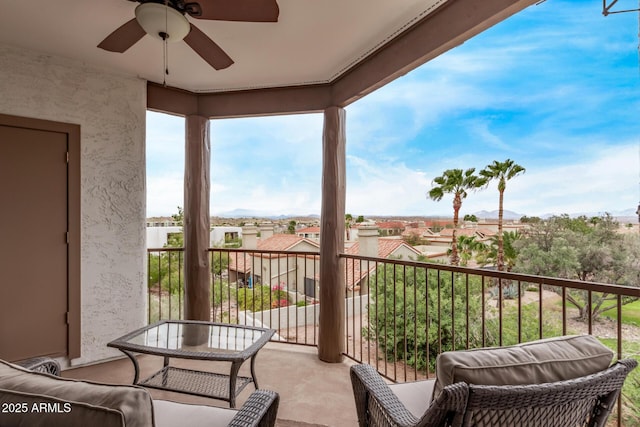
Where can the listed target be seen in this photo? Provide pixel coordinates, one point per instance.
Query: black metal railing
(400, 314)
(276, 289)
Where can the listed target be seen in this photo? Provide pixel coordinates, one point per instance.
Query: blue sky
(556, 88)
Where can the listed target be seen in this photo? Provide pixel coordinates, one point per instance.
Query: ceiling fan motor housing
(162, 22)
(166, 20)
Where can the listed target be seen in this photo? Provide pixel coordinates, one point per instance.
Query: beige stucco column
(331, 337)
(196, 219)
(249, 237)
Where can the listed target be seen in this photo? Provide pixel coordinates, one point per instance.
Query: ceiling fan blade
(207, 49)
(239, 10)
(123, 38)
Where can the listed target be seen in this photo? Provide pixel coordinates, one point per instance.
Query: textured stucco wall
(110, 110)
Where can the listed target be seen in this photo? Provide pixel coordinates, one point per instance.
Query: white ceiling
(314, 41)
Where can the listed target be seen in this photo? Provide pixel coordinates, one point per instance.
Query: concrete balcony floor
(311, 392)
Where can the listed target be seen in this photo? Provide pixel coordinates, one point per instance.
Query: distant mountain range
(627, 215)
(249, 213)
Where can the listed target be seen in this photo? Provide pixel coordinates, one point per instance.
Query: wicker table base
(199, 383)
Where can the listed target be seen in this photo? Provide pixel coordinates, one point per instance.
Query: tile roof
(390, 224)
(309, 230)
(283, 242)
(418, 231)
(459, 232)
(478, 232)
(438, 222)
(241, 261)
(386, 248)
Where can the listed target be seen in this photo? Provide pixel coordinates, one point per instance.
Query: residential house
(438, 224)
(158, 236)
(481, 234)
(369, 244)
(312, 233)
(224, 235)
(507, 226)
(418, 233)
(278, 266)
(391, 228)
(302, 271)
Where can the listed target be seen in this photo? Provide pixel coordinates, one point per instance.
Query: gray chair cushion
(415, 396)
(536, 362)
(40, 410)
(172, 414)
(70, 402)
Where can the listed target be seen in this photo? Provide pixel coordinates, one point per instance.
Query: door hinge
(67, 237)
(66, 317)
(67, 157)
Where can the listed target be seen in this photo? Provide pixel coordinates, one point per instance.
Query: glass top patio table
(190, 339)
(194, 339)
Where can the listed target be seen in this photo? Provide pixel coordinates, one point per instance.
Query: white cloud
(384, 188)
(164, 194)
(267, 164)
(597, 178)
(605, 179)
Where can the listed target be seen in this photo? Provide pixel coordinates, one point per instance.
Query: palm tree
(503, 172)
(348, 220)
(489, 253)
(456, 182)
(466, 246)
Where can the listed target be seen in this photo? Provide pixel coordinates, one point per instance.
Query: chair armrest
(374, 398)
(41, 364)
(259, 410)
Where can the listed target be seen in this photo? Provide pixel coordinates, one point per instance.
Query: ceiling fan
(166, 20)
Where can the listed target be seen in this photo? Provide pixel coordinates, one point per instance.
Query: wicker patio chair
(41, 364)
(377, 404)
(259, 410)
(585, 401)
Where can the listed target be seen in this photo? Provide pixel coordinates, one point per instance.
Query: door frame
(73, 218)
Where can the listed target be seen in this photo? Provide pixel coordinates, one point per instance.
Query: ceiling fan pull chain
(165, 65)
(165, 53)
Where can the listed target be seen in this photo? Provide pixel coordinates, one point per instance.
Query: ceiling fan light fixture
(158, 20)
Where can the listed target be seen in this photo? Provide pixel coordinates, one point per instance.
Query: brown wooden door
(33, 250)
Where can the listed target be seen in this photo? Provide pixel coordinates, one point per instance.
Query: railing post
(331, 340)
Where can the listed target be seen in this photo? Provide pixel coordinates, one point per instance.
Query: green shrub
(254, 299)
(263, 297)
(167, 271)
(402, 309)
(529, 325)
